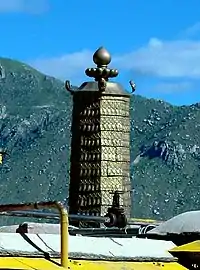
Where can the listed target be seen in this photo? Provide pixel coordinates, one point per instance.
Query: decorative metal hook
(68, 86)
(133, 86)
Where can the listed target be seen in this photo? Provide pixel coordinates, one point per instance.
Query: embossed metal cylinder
(100, 148)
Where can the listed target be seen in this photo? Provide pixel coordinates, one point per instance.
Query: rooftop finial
(101, 73)
(101, 57)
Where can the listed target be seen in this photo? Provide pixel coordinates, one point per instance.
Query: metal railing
(13, 209)
(73, 217)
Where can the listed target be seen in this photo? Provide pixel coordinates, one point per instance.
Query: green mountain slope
(35, 123)
(34, 126)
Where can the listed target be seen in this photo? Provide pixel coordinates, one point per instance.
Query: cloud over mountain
(157, 58)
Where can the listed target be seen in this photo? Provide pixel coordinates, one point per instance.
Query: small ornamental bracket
(133, 86)
(68, 86)
(101, 73)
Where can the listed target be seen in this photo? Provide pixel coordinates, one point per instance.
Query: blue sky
(155, 43)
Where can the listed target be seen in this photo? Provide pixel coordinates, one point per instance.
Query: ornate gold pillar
(100, 147)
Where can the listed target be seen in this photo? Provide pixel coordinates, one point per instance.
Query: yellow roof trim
(190, 247)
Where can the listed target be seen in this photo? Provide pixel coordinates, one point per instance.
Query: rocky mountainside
(35, 123)
(166, 158)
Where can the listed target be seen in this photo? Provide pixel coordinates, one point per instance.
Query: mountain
(166, 158)
(35, 119)
(35, 124)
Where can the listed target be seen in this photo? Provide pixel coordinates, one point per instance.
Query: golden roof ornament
(101, 73)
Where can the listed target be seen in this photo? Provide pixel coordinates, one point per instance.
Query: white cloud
(24, 6)
(164, 59)
(65, 66)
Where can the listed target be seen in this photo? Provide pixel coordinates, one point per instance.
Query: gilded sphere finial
(102, 57)
(101, 73)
